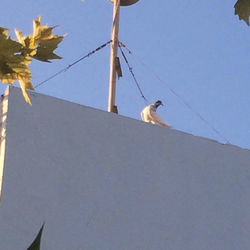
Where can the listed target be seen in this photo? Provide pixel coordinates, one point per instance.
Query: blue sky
(199, 50)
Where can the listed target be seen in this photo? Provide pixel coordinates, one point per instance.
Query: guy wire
(72, 64)
(178, 96)
(133, 75)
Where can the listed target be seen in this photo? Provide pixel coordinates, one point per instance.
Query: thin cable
(179, 96)
(72, 64)
(133, 75)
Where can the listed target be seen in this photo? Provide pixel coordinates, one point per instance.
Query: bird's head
(158, 103)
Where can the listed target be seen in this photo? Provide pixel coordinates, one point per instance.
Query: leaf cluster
(242, 9)
(15, 56)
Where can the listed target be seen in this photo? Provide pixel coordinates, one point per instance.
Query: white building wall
(3, 115)
(106, 182)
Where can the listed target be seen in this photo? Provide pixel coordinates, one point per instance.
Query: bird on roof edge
(149, 114)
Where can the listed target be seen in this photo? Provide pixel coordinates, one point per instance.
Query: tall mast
(113, 50)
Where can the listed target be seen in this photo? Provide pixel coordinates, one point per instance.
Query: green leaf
(14, 63)
(41, 43)
(45, 49)
(4, 31)
(45, 41)
(35, 245)
(242, 9)
(16, 56)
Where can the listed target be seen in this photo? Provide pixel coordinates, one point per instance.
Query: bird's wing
(142, 115)
(145, 114)
(158, 120)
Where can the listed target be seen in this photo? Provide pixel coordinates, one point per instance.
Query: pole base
(114, 109)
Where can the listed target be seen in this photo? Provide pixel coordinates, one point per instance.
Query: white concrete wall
(106, 182)
(3, 118)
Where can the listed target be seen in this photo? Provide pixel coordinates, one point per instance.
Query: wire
(72, 64)
(136, 82)
(178, 96)
(133, 75)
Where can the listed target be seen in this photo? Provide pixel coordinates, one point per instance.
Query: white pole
(113, 55)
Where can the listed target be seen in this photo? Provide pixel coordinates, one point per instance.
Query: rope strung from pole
(179, 97)
(72, 64)
(133, 75)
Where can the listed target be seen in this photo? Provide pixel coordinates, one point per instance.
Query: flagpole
(113, 55)
(113, 51)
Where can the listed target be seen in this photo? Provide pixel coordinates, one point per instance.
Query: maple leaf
(14, 63)
(46, 42)
(242, 9)
(16, 56)
(42, 42)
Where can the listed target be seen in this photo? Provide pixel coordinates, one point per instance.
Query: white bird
(149, 114)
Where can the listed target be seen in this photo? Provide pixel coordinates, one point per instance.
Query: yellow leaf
(12, 61)
(26, 84)
(45, 41)
(16, 56)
